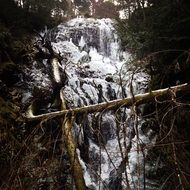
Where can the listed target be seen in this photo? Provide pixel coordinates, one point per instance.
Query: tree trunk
(112, 105)
(70, 11)
(70, 144)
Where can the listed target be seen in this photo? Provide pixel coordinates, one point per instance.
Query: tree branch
(111, 105)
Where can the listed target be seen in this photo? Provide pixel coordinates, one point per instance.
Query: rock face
(91, 34)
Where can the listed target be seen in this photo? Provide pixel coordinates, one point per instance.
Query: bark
(112, 105)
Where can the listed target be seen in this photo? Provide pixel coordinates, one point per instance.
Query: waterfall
(110, 143)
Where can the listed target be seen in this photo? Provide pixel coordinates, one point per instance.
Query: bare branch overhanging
(111, 105)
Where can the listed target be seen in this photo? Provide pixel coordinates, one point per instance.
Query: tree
(83, 6)
(161, 27)
(104, 9)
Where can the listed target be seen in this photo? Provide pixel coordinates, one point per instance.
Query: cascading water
(109, 143)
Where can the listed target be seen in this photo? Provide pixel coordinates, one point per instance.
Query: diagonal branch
(111, 105)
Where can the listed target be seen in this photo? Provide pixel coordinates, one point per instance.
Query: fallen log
(76, 168)
(111, 105)
(67, 136)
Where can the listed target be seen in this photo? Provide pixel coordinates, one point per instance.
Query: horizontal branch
(111, 105)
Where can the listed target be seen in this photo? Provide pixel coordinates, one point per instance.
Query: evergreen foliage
(160, 32)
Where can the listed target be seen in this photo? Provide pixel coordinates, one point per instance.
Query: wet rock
(100, 93)
(109, 79)
(103, 128)
(107, 128)
(115, 181)
(111, 93)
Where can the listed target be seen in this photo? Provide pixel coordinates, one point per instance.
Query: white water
(96, 66)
